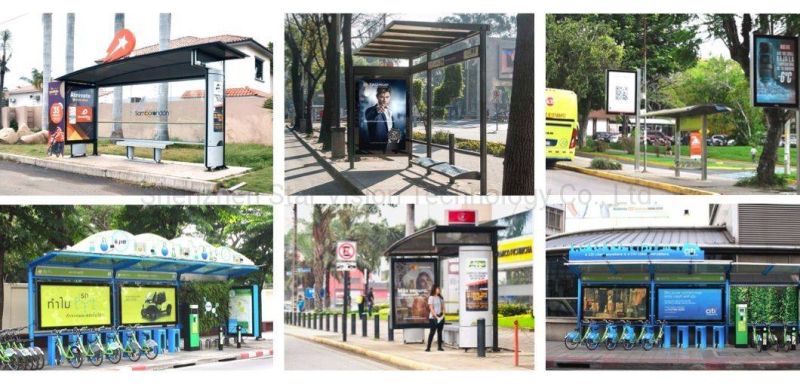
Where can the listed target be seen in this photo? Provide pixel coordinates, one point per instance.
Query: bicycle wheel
(787, 347)
(647, 345)
(571, 342)
(592, 344)
(611, 344)
(628, 345)
(115, 356)
(151, 353)
(134, 354)
(96, 358)
(76, 361)
(40, 360)
(13, 362)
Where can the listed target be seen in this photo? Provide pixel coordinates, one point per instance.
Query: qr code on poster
(621, 93)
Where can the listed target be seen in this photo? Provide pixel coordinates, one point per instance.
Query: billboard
(773, 70)
(147, 305)
(55, 102)
(695, 145)
(240, 310)
(615, 303)
(690, 304)
(81, 127)
(73, 305)
(506, 65)
(412, 281)
(381, 105)
(621, 92)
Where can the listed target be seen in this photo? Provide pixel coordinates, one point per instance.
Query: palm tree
(47, 60)
(5, 57)
(116, 108)
(321, 218)
(70, 42)
(36, 78)
(164, 26)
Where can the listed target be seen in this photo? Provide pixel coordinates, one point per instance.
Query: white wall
(242, 73)
(15, 308)
(25, 99)
(601, 215)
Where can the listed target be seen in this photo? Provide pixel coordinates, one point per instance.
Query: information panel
(412, 281)
(773, 71)
(240, 309)
(147, 305)
(74, 305)
(690, 304)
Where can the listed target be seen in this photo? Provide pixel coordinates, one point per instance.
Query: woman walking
(435, 316)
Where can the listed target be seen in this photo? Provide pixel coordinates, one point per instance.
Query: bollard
(238, 336)
(221, 337)
(390, 330)
(516, 343)
(377, 326)
(336, 323)
(451, 140)
(303, 320)
(327, 322)
(321, 321)
(409, 148)
(353, 323)
(481, 337)
(363, 325)
(314, 326)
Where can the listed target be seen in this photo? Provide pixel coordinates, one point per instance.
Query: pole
(797, 135)
(676, 150)
(428, 100)
(704, 174)
(644, 95)
(787, 149)
(294, 259)
(516, 343)
(346, 302)
(482, 96)
(481, 338)
(637, 137)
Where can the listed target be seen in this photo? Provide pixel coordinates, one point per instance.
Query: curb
(328, 167)
(186, 363)
(142, 179)
(396, 361)
(673, 188)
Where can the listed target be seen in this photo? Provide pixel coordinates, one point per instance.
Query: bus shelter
(697, 118)
(422, 44)
(463, 261)
(680, 276)
(114, 278)
(77, 93)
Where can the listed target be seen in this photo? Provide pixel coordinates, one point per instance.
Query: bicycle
(628, 337)
(591, 337)
(150, 347)
(72, 354)
(95, 358)
(111, 351)
(34, 354)
(10, 357)
(610, 336)
(13, 345)
(645, 338)
(789, 336)
(763, 338)
(131, 349)
(658, 341)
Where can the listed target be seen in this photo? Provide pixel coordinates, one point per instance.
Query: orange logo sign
(121, 46)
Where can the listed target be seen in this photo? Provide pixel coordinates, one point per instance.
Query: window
(259, 69)
(555, 220)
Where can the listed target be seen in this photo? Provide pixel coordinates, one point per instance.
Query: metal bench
(157, 147)
(450, 170)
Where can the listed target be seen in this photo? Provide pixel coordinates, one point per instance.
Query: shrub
(440, 137)
(778, 181)
(198, 293)
(605, 164)
(627, 144)
(600, 146)
(512, 309)
(268, 103)
(13, 124)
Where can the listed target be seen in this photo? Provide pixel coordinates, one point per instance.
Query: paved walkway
(304, 174)
(451, 358)
(730, 358)
(389, 175)
(306, 355)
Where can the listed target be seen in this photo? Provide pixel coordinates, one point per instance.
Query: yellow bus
(561, 125)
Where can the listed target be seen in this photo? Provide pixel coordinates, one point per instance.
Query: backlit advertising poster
(381, 114)
(147, 305)
(80, 115)
(615, 303)
(690, 304)
(621, 96)
(74, 305)
(240, 309)
(477, 284)
(506, 65)
(773, 66)
(695, 145)
(55, 102)
(412, 281)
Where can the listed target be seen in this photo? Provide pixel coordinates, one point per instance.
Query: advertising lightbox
(690, 304)
(242, 311)
(615, 303)
(773, 71)
(381, 105)
(81, 126)
(412, 281)
(73, 305)
(621, 92)
(147, 305)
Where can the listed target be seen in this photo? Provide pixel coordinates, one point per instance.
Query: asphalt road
(304, 174)
(237, 365)
(23, 179)
(568, 183)
(305, 355)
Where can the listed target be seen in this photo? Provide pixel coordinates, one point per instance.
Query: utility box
(741, 325)
(191, 332)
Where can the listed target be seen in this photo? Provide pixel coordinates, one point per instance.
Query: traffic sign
(346, 255)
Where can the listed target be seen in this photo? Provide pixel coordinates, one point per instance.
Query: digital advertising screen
(690, 304)
(411, 285)
(477, 283)
(147, 305)
(615, 303)
(381, 113)
(240, 309)
(774, 71)
(81, 126)
(621, 93)
(74, 305)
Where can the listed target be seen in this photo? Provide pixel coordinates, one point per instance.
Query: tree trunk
(309, 122)
(70, 44)
(331, 84)
(116, 108)
(296, 73)
(410, 225)
(2, 281)
(47, 61)
(766, 162)
(164, 27)
(517, 166)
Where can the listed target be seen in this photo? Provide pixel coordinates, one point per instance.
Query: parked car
(792, 141)
(607, 137)
(719, 140)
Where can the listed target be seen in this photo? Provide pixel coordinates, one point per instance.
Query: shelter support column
(579, 311)
(704, 172)
(428, 100)
(677, 149)
(482, 91)
(31, 306)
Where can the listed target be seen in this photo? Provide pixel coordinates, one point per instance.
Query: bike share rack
(128, 260)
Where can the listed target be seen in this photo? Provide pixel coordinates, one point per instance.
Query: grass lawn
(525, 321)
(255, 156)
(725, 156)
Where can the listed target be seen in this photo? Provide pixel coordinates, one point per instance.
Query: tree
(500, 25)
(116, 107)
(164, 27)
(35, 79)
(417, 88)
(598, 51)
(330, 88)
(322, 215)
(451, 88)
(736, 36)
(70, 55)
(5, 58)
(306, 38)
(517, 167)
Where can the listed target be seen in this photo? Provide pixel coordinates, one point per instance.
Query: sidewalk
(389, 175)
(664, 179)
(730, 358)
(252, 349)
(169, 174)
(413, 356)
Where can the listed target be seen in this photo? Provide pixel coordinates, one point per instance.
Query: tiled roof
(229, 92)
(25, 89)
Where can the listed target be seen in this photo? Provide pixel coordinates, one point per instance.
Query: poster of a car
(147, 305)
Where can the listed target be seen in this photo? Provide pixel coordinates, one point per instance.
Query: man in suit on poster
(379, 117)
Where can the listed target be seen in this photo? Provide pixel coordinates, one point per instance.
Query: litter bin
(338, 142)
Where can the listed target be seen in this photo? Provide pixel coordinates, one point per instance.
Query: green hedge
(605, 164)
(198, 293)
(440, 137)
(512, 309)
(770, 304)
